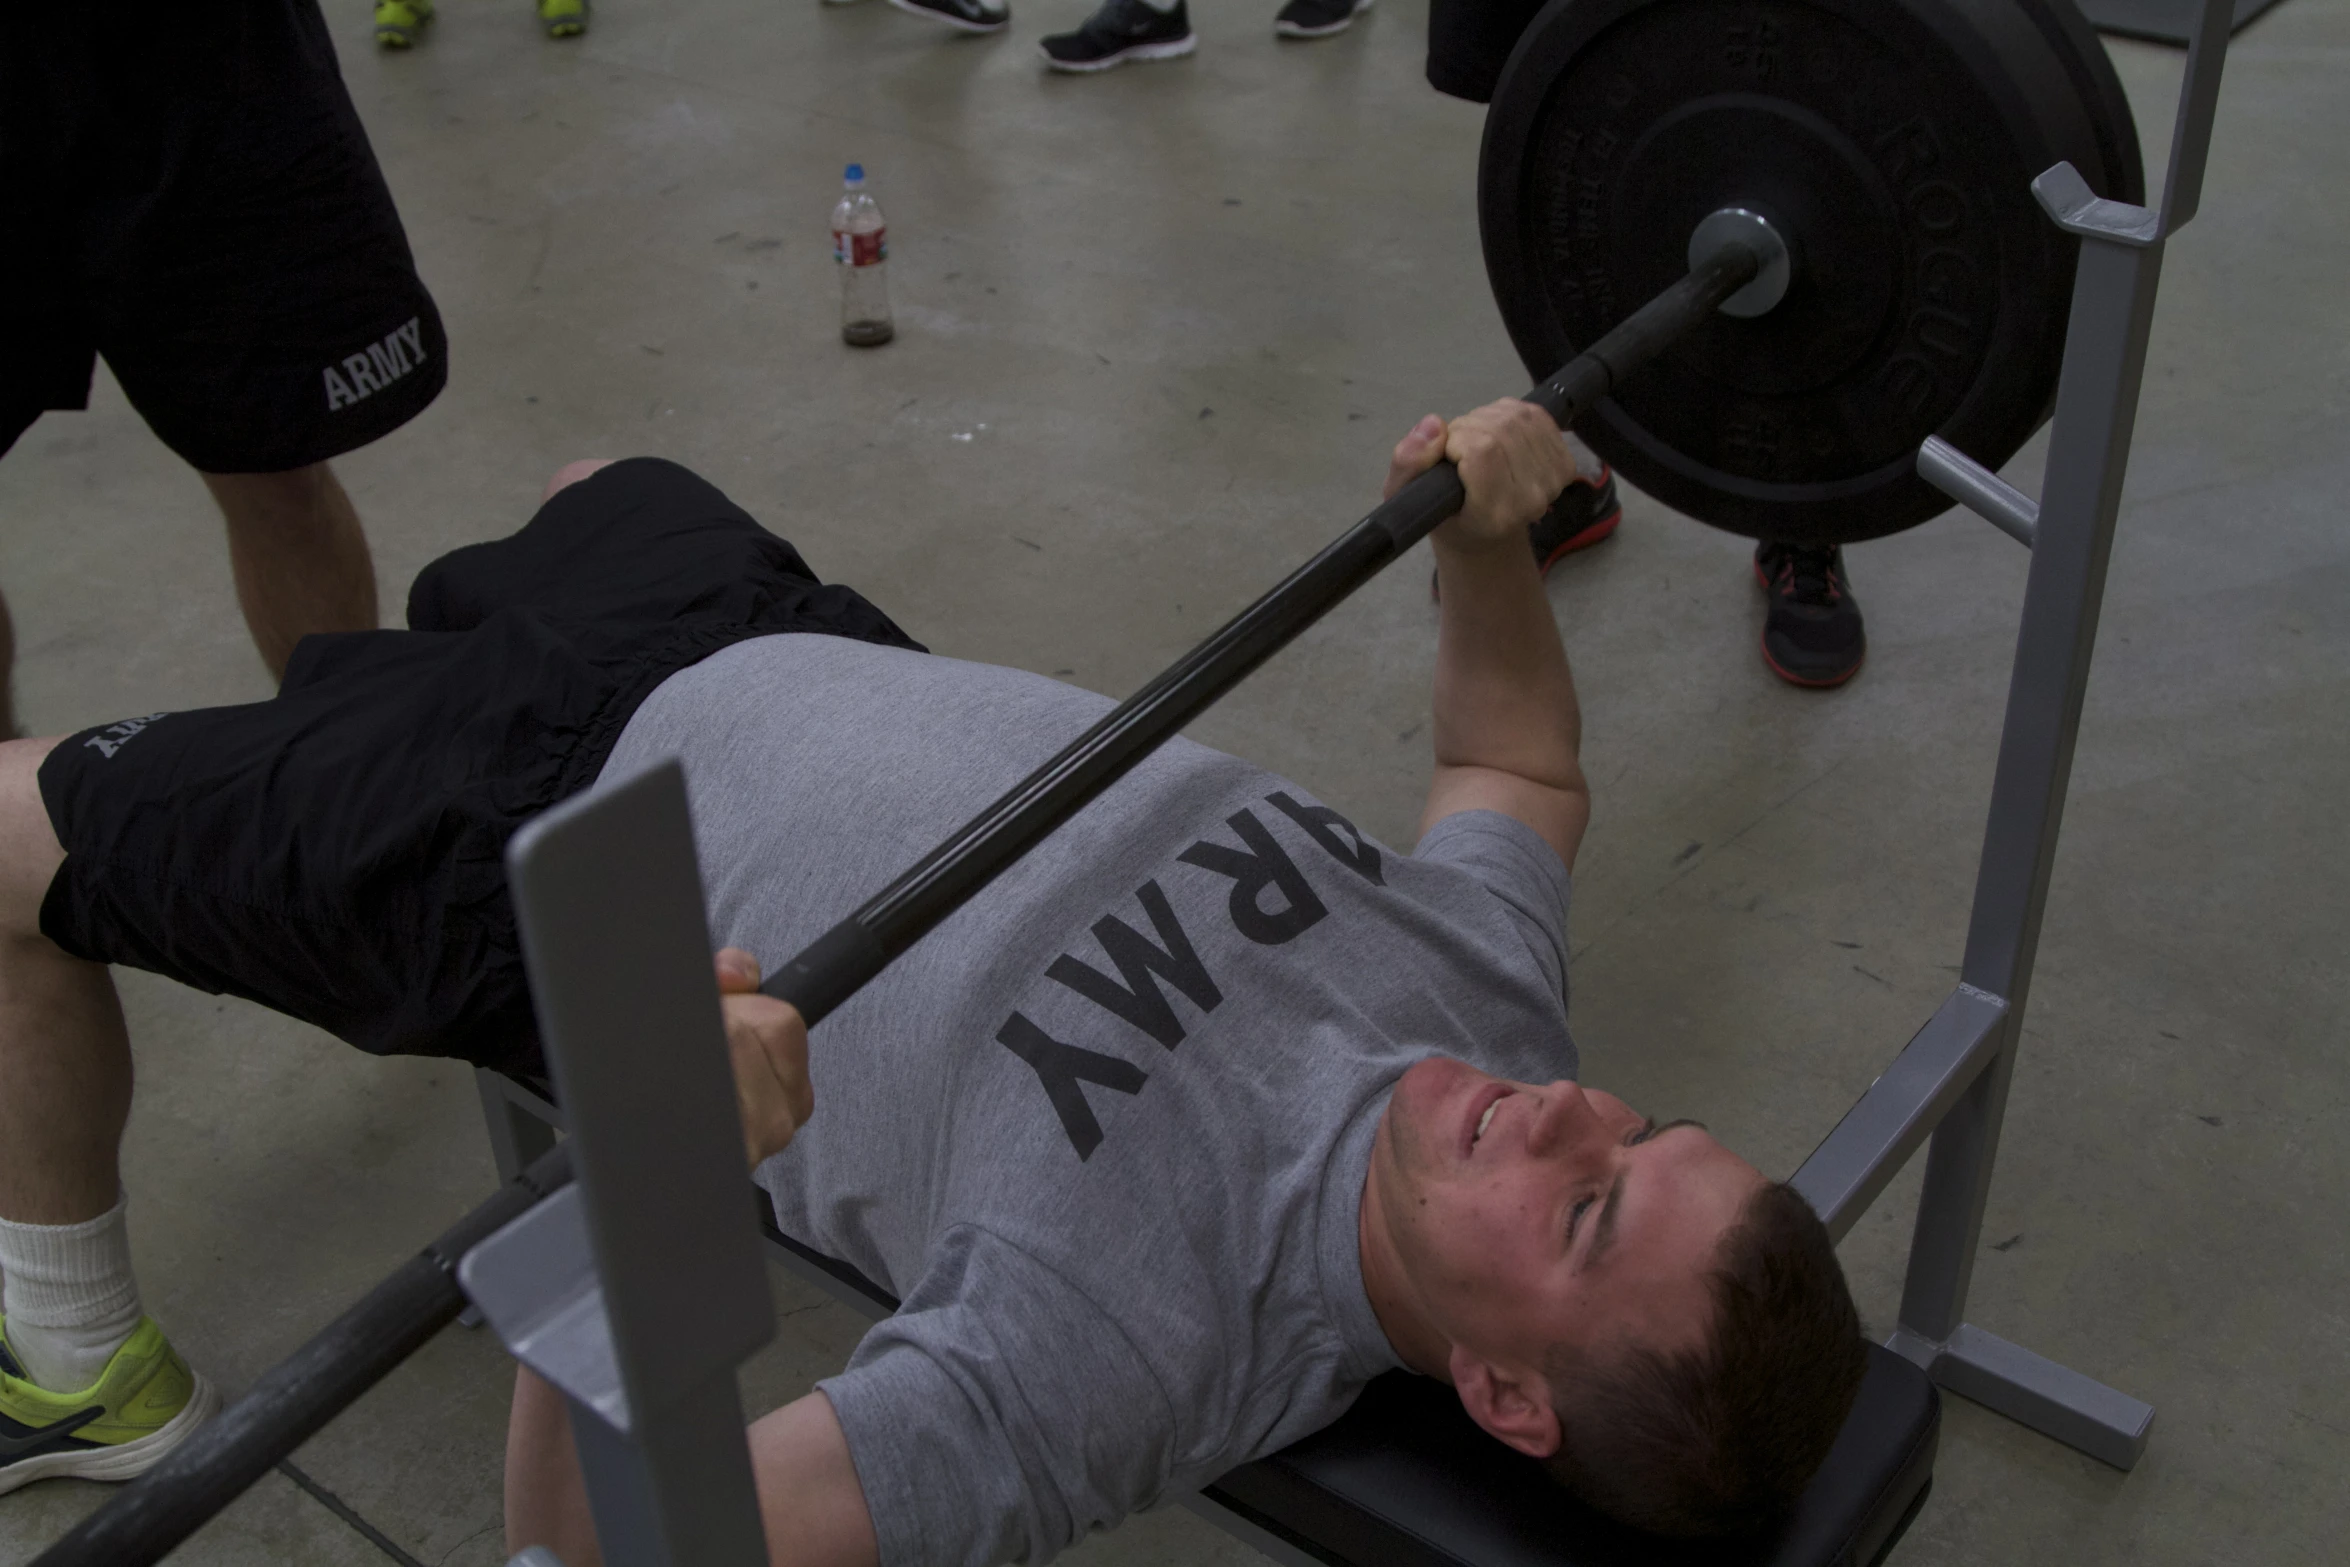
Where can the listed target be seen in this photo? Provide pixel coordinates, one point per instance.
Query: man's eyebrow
(1603, 1234)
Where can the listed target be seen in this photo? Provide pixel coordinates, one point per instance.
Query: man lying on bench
(1203, 1115)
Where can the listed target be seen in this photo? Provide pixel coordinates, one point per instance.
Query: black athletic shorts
(1469, 41)
(336, 853)
(187, 191)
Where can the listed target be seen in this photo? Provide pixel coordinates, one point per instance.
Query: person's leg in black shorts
(336, 853)
(206, 213)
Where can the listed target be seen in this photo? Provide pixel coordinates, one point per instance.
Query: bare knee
(572, 472)
(29, 850)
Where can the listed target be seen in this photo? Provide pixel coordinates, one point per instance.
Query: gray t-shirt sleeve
(1524, 874)
(1000, 1416)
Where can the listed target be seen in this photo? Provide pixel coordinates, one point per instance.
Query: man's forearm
(1504, 698)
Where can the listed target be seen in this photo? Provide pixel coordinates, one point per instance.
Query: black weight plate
(1893, 142)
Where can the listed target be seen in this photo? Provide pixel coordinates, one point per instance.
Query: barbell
(1820, 208)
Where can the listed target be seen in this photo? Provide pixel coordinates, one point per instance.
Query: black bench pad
(1405, 1479)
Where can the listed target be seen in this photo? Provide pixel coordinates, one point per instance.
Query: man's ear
(1512, 1405)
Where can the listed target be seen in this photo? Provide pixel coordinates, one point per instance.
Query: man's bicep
(1557, 816)
(810, 1499)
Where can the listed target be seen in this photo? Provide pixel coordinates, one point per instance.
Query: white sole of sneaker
(1172, 49)
(1293, 30)
(940, 17)
(128, 1460)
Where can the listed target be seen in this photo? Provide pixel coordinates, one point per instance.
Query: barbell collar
(1751, 228)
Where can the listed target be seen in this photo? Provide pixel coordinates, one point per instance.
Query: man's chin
(1415, 1112)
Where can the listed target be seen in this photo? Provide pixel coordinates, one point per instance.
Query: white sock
(69, 1297)
(1162, 6)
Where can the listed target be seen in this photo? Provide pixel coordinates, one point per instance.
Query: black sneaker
(1318, 18)
(966, 16)
(1813, 635)
(1120, 31)
(1586, 512)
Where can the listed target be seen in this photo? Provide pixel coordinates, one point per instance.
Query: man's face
(1529, 1217)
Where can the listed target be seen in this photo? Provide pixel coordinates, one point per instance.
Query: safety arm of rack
(2079, 210)
(1857, 1160)
(1977, 488)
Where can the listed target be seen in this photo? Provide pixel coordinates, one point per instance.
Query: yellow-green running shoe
(563, 18)
(397, 22)
(142, 1407)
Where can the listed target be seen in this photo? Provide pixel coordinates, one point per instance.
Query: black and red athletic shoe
(1586, 512)
(1813, 635)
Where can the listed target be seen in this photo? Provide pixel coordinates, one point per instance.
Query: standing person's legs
(299, 555)
(270, 228)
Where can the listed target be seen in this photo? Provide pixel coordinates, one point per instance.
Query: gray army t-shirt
(1105, 1130)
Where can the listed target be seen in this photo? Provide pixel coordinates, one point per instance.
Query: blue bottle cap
(856, 174)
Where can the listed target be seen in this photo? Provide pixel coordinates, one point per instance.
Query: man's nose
(1565, 1113)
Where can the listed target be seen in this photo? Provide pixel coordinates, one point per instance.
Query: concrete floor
(1156, 333)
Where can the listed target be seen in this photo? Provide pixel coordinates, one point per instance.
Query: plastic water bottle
(860, 244)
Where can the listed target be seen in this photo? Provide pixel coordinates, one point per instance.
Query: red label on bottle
(860, 250)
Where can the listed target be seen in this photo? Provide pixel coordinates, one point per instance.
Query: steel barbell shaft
(395, 1319)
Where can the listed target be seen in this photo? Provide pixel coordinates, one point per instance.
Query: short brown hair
(1722, 1438)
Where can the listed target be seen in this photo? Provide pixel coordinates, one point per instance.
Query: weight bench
(1406, 1479)
(618, 1265)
